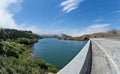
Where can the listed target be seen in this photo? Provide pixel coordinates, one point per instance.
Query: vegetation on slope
(14, 54)
(112, 33)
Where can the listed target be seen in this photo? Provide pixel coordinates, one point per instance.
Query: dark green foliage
(23, 37)
(11, 49)
(26, 41)
(14, 34)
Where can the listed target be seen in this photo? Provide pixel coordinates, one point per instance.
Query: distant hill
(112, 33)
(50, 36)
(56, 36)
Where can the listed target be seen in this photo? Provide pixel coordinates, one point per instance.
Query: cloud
(89, 30)
(57, 22)
(6, 16)
(8, 11)
(69, 5)
(117, 11)
(101, 18)
(98, 20)
(4, 4)
(96, 26)
(17, 7)
(77, 32)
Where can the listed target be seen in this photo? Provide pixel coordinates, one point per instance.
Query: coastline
(30, 49)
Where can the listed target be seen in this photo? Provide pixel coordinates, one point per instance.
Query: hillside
(14, 53)
(109, 34)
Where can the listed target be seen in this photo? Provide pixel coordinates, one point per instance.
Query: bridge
(98, 56)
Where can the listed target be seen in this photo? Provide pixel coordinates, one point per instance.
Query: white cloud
(96, 26)
(69, 5)
(89, 30)
(98, 20)
(4, 4)
(7, 20)
(57, 22)
(117, 11)
(6, 17)
(17, 7)
(78, 32)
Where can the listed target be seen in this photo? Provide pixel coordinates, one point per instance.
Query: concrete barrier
(81, 64)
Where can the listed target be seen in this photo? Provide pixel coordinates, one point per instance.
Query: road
(105, 56)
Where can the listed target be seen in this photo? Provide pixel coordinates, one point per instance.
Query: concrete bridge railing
(81, 64)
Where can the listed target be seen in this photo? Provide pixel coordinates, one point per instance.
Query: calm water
(56, 52)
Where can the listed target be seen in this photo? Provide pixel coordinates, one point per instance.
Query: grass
(14, 60)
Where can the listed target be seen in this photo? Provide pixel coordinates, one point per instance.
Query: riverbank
(18, 54)
(14, 53)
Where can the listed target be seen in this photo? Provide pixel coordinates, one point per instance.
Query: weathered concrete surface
(76, 65)
(106, 56)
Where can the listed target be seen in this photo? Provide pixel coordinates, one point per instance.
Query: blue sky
(73, 17)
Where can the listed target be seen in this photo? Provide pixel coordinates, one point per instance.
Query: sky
(72, 17)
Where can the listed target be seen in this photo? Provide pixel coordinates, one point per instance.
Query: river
(56, 52)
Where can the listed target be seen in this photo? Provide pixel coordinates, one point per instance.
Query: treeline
(14, 53)
(23, 37)
(14, 34)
